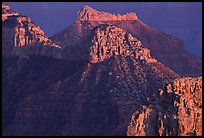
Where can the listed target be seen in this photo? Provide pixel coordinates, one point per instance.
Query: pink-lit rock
(87, 13)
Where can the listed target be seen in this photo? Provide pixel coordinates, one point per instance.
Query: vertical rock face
(111, 41)
(26, 32)
(176, 111)
(19, 31)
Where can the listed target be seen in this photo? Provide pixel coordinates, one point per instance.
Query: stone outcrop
(111, 41)
(19, 31)
(175, 111)
(27, 33)
(7, 11)
(89, 14)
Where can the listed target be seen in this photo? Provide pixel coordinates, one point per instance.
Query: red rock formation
(89, 14)
(20, 31)
(165, 48)
(7, 11)
(109, 40)
(176, 111)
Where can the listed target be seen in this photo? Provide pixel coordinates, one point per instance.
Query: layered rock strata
(19, 31)
(176, 111)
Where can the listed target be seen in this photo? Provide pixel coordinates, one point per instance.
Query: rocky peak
(164, 47)
(89, 14)
(110, 40)
(7, 11)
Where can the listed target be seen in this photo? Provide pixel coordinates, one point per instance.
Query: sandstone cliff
(175, 111)
(111, 41)
(19, 31)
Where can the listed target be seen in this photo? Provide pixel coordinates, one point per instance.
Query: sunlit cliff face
(6, 12)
